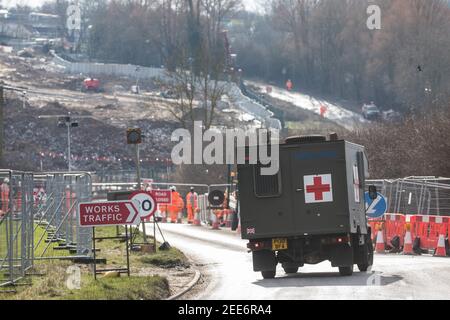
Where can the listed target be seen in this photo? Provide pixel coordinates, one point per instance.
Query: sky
(251, 5)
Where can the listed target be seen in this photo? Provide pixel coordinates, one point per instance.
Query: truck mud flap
(264, 260)
(341, 256)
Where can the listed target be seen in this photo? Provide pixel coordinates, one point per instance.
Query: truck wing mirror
(373, 193)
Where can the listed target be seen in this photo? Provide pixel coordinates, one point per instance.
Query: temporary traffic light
(134, 136)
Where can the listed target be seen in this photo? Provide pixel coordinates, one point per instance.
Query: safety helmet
(6, 180)
(173, 188)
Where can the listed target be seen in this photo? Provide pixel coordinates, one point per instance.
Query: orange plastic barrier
(374, 224)
(428, 228)
(392, 225)
(395, 226)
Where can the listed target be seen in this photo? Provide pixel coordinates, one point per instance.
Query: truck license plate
(279, 244)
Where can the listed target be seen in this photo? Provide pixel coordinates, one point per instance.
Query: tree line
(324, 47)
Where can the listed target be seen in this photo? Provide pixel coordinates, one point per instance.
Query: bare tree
(199, 79)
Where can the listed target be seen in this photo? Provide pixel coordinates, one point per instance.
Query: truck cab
(311, 211)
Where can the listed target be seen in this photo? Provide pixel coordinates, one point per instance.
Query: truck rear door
(265, 207)
(318, 186)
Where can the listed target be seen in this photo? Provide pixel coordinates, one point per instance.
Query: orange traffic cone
(408, 245)
(440, 250)
(379, 247)
(215, 222)
(196, 219)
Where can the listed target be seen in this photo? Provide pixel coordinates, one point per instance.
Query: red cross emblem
(318, 188)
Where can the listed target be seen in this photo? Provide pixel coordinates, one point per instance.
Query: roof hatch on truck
(305, 139)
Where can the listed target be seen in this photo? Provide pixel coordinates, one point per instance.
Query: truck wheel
(268, 274)
(363, 267)
(290, 270)
(346, 271)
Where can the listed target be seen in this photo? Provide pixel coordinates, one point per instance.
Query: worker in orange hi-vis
(219, 213)
(180, 207)
(4, 197)
(176, 207)
(192, 205)
(172, 208)
(289, 85)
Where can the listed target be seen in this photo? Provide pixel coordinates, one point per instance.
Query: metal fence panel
(57, 211)
(416, 195)
(16, 225)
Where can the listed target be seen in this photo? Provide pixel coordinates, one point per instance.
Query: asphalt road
(224, 260)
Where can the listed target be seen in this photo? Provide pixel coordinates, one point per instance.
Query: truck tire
(268, 274)
(290, 270)
(363, 267)
(346, 271)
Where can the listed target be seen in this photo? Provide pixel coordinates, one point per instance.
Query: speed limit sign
(147, 204)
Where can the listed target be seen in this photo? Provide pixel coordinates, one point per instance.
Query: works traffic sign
(94, 214)
(375, 208)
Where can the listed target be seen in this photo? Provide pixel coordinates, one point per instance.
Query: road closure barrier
(428, 229)
(426, 232)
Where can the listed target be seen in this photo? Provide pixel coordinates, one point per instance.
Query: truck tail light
(336, 240)
(256, 245)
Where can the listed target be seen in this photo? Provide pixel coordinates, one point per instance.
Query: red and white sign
(96, 214)
(318, 188)
(162, 196)
(148, 201)
(147, 205)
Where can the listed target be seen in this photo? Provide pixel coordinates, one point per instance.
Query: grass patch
(166, 259)
(38, 233)
(124, 288)
(114, 252)
(51, 285)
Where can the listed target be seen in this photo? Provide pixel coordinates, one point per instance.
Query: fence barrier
(16, 226)
(425, 230)
(428, 229)
(416, 195)
(57, 212)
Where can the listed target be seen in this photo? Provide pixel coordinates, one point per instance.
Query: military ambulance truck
(311, 211)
